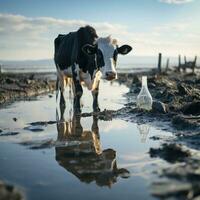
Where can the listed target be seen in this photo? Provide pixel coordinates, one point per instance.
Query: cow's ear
(124, 49)
(89, 49)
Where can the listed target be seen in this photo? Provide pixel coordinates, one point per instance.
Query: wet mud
(23, 86)
(176, 108)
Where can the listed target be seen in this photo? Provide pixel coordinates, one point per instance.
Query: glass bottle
(144, 99)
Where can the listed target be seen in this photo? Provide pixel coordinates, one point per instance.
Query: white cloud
(172, 27)
(176, 1)
(32, 38)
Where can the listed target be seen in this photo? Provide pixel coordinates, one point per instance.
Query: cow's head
(107, 50)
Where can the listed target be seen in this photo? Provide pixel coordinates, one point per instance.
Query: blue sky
(28, 27)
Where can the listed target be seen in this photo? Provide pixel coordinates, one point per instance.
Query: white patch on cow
(77, 70)
(68, 72)
(96, 79)
(107, 47)
(86, 80)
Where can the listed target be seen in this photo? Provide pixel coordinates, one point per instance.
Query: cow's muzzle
(110, 76)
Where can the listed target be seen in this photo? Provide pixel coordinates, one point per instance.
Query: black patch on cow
(68, 49)
(89, 49)
(124, 49)
(100, 58)
(115, 55)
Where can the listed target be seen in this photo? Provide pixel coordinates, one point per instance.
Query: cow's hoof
(97, 109)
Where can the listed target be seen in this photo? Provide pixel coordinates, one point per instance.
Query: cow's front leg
(95, 94)
(78, 91)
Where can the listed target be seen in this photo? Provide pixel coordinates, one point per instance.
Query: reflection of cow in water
(82, 154)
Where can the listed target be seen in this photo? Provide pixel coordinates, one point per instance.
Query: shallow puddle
(55, 156)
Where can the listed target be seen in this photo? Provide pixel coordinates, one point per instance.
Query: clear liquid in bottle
(144, 99)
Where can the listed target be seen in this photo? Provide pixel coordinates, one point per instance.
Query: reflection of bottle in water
(144, 99)
(144, 131)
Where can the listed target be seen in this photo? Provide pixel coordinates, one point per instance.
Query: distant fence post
(179, 62)
(167, 64)
(159, 62)
(0, 69)
(185, 59)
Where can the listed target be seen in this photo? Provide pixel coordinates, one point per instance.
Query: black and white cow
(85, 58)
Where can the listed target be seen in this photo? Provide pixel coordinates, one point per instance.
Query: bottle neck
(144, 81)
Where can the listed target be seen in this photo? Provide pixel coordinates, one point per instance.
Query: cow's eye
(115, 55)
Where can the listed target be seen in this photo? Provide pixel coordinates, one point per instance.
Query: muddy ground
(176, 97)
(176, 108)
(23, 86)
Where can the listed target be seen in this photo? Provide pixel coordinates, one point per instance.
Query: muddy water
(59, 156)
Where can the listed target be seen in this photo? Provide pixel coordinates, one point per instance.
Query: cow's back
(66, 50)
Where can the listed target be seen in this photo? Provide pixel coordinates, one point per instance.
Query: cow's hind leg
(95, 94)
(78, 91)
(62, 85)
(57, 87)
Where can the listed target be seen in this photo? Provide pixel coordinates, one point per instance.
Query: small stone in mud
(41, 123)
(44, 144)
(170, 152)
(50, 95)
(28, 81)
(10, 80)
(159, 107)
(32, 77)
(155, 138)
(9, 133)
(181, 122)
(134, 89)
(33, 129)
(163, 138)
(15, 119)
(151, 85)
(183, 89)
(51, 122)
(191, 108)
(106, 115)
(135, 79)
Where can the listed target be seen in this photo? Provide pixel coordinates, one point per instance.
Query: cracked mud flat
(134, 153)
